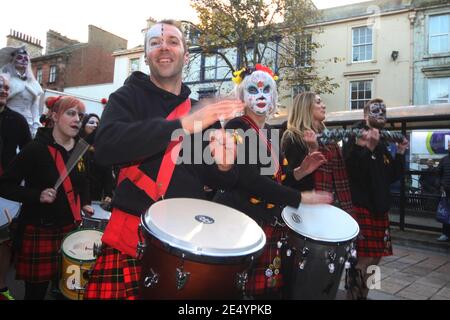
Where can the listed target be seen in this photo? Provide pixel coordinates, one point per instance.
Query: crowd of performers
(135, 135)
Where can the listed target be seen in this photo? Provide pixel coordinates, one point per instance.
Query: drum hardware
(242, 277)
(141, 244)
(303, 259)
(149, 281)
(97, 250)
(181, 276)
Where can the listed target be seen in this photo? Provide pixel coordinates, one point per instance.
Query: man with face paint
(371, 170)
(135, 133)
(25, 92)
(261, 196)
(14, 134)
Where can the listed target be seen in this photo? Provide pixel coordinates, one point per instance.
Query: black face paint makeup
(377, 115)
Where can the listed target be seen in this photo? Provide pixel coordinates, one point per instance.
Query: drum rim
(311, 237)
(207, 252)
(14, 216)
(75, 231)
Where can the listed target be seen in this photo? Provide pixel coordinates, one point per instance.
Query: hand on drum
(223, 149)
(88, 209)
(316, 197)
(48, 195)
(310, 164)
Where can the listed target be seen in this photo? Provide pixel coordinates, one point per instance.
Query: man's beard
(374, 123)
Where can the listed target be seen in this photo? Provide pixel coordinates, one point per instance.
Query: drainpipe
(412, 19)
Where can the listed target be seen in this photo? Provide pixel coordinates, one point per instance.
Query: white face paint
(160, 35)
(21, 61)
(259, 92)
(377, 115)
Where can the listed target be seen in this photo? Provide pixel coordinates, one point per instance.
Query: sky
(123, 18)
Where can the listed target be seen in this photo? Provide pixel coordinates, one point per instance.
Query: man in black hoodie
(136, 132)
(371, 170)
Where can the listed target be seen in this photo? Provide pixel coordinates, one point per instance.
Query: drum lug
(303, 259)
(141, 244)
(97, 250)
(241, 280)
(181, 278)
(152, 279)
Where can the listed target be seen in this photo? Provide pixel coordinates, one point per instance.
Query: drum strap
(254, 126)
(74, 201)
(157, 189)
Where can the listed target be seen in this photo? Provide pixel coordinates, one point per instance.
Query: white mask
(259, 92)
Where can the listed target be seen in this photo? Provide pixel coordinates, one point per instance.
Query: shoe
(442, 237)
(6, 295)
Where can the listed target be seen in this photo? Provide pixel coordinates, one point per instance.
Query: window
(362, 44)
(303, 51)
(39, 75)
(191, 73)
(297, 89)
(439, 39)
(438, 90)
(52, 75)
(134, 65)
(360, 93)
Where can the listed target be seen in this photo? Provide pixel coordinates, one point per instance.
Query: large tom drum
(197, 249)
(319, 244)
(9, 210)
(79, 250)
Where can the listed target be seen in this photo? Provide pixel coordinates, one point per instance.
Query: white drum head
(79, 245)
(203, 228)
(99, 212)
(8, 210)
(321, 222)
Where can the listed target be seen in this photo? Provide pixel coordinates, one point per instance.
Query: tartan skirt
(374, 239)
(39, 258)
(266, 277)
(115, 276)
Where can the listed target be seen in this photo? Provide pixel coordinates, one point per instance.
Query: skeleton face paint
(259, 92)
(21, 61)
(377, 115)
(160, 35)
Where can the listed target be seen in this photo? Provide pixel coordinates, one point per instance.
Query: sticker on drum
(203, 228)
(78, 256)
(322, 222)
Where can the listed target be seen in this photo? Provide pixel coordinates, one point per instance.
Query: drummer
(47, 215)
(136, 131)
(259, 192)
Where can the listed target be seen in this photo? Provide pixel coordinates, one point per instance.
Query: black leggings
(36, 291)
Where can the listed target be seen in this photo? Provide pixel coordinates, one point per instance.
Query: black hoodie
(134, 129)
(35, 165)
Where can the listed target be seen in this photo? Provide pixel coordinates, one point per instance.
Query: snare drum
(8, 211)
(78, 256)
(98, 220)
(196, 249)
(319, 244)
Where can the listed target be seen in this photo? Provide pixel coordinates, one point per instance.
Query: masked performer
(259, 192)
(371, 170)
(25, 91)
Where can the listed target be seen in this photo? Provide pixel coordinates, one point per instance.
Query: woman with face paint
(100, 177)
(259, 192)
(371, 170)
(25, 91)
(47, 215)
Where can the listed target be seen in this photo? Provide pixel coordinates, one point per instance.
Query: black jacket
(134, 129)
(35, 165)
(252, 184)
(444, 173)
(14, 133)
(370, 174)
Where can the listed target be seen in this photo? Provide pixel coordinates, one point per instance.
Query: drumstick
(8, 217)
(80, 149)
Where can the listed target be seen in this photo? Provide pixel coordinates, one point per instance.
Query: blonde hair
(301, 118)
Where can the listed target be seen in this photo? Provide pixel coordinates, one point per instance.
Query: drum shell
(93, 223)
(314, 281)
(210, 277)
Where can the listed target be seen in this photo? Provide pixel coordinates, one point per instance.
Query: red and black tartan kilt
(374, 239)
(259, 285)
(39, 258)
(115, 276)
